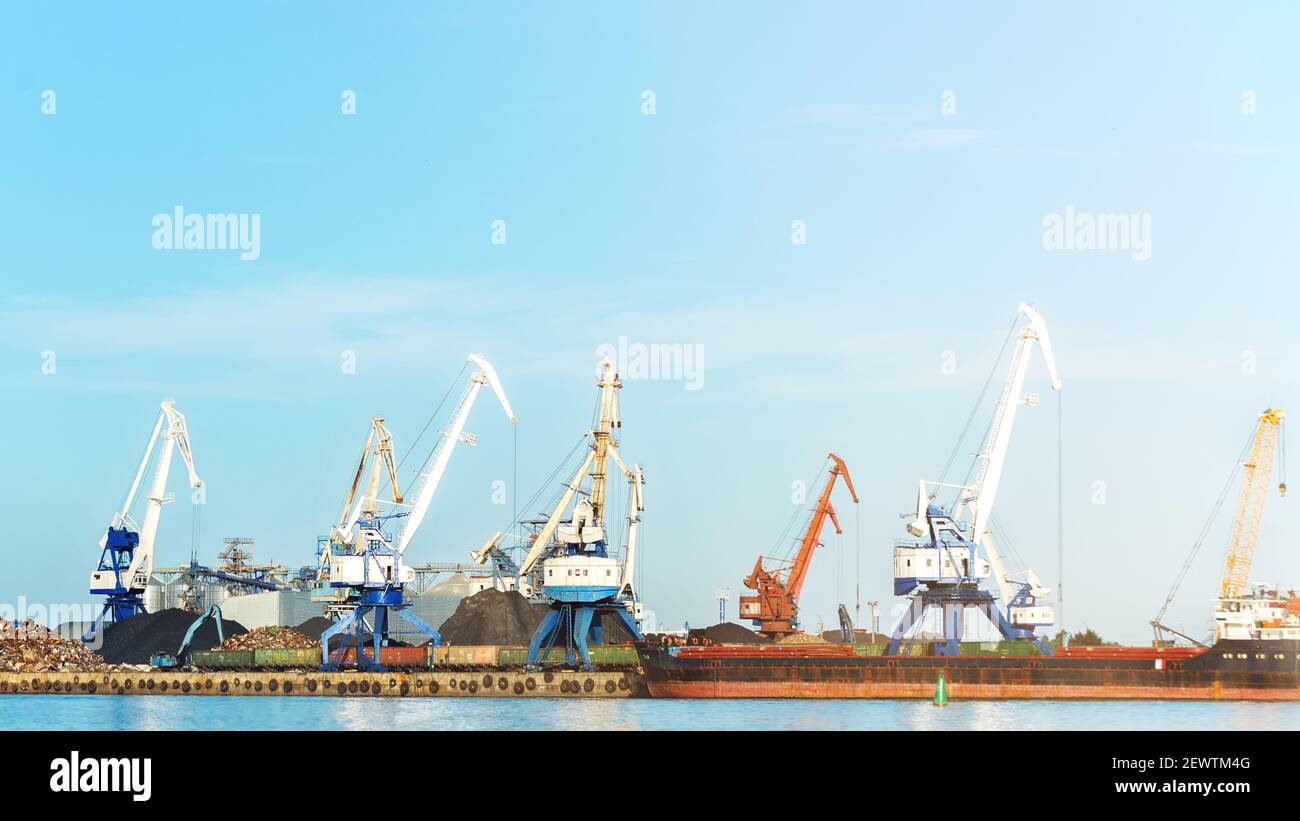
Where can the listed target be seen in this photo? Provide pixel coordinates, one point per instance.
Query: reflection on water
(50, 712)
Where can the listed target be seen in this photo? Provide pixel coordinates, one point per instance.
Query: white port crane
(368, 559)
(361, 562)
(579, 576)
(126, 558)
(993, 459)
(947, 569)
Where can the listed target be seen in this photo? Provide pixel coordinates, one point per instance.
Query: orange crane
(776, 606)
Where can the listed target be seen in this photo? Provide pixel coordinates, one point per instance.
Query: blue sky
(924, 230)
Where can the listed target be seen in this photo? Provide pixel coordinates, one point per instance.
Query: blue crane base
(383, 605)
(117, 608)
(120, 603)
(576, 623)
(952, 603)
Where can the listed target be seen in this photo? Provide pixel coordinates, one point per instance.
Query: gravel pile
(27, 647)
(802, 638)
(133, 641)
(270, 638)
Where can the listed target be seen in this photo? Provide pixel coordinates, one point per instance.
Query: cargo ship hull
(1230, 670)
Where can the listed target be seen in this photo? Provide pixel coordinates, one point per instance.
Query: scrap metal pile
(269, 638)
(29, 647)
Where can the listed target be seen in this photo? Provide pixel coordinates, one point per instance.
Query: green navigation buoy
(940, 691)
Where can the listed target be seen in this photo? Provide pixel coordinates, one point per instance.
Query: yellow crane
(1257, 460)
(1256, 471)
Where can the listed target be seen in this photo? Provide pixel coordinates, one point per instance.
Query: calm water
(45, 712)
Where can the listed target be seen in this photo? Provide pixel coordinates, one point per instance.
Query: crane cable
(1209, 522)
(433, 415)
(857, 570)
(979, 400)
(549, 479)
(785, 534)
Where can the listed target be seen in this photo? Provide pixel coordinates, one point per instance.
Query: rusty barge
(1245, 670)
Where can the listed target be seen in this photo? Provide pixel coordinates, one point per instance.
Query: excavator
(167, 661)
(775, 610)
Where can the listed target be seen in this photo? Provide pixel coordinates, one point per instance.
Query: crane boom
(383, 456)
(994, 455)
(776, 607)
(123, 516)
(1256, 472)
(176, 438)
(635, 506)
(437, 466)
(812, 536)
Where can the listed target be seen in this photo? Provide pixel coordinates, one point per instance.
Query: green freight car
(219, 659)
(303, 658)
(469, 657)
(613, 655)
(283, 658)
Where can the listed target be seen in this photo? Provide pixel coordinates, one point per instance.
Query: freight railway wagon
(468, 657)
(474, 657)
(1234, 670)
(306, 658)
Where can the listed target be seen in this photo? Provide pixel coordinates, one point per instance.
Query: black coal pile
(729, 633)
(133, 641)
(313, 627)
(494, 617)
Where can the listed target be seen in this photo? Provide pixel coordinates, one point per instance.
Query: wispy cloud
(1232, 149)
(928, 138)
(281, 340)
(822, 114)
(1058, 151)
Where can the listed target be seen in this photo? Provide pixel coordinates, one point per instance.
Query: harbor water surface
(54, 712)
